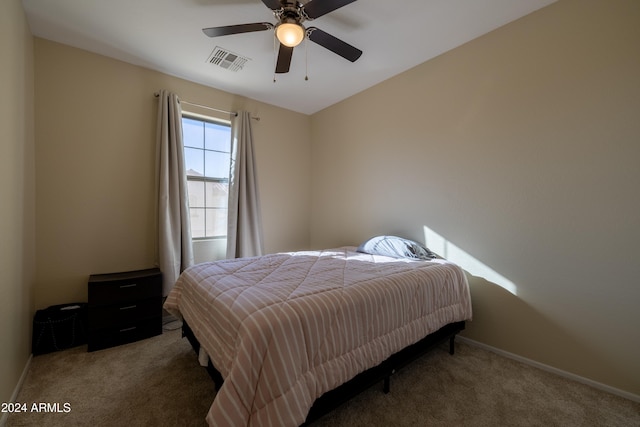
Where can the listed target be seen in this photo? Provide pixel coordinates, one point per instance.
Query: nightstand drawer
(122, 287)
(125, 333)
(124, 312)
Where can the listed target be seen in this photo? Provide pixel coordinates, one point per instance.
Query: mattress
(283, 329)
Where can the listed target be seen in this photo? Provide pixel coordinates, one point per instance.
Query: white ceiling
(166, 35)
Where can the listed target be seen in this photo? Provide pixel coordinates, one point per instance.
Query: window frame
(205, 179)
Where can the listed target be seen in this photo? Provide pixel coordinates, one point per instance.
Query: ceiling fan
(290, 32)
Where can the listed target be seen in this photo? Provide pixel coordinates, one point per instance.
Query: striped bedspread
(283, 329)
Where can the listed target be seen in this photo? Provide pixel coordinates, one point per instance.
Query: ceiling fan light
(290, 34)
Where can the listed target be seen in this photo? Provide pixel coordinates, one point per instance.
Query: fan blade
(284, 59)
(236, 29)
(272, 4)
(316, 8)
(334, 44)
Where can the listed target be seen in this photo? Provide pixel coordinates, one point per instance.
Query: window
(207, 146)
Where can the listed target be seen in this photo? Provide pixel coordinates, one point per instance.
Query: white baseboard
(560, 372)
(16, 390)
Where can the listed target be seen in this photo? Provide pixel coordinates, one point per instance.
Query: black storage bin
(59, 327)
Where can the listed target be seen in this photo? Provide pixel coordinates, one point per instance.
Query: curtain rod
(231, 113)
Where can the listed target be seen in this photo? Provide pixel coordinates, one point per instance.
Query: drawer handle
(129, 307)
(128, 329)
(132, 285)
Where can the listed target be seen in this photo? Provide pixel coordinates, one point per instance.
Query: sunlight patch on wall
(448, 250)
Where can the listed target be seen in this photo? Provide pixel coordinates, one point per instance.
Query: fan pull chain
(306, 59)
(275, 57)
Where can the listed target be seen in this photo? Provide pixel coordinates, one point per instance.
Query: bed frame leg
(452, 347)
(386, 387)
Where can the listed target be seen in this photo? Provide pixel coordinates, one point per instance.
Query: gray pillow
(396, 247)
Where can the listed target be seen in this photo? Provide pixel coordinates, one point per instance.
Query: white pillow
(396, 247)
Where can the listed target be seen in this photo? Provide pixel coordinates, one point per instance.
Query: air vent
(226, 59)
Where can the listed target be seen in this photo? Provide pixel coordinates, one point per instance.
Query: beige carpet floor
(158, 382)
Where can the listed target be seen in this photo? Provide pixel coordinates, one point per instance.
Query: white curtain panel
(244, 233)
(174, 248)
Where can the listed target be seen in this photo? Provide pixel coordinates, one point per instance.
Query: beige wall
(518, 152)
(16, 195)
(95, 150)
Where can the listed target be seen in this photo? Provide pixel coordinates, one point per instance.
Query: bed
(285, 329)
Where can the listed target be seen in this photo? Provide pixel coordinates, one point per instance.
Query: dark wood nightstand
(124, 307)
